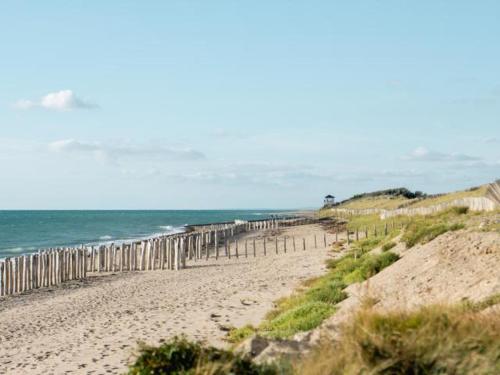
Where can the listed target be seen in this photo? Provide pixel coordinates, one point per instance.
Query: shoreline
(93, 326)
(175, 229)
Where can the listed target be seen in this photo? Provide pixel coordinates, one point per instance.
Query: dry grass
(384, 202)
(431, 340)
(316, 300)
(479, 192)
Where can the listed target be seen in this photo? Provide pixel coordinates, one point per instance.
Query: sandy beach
(93, 326)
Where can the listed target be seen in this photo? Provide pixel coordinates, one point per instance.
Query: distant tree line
(395, 192)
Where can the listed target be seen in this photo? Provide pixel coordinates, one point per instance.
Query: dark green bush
(388, 246)
(462, 210)
(182, 357)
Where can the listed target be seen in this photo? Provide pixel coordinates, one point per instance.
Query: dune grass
(387, 202)
(317, 299)
(430, 340)
(479, 191)
(388, 246)
(459, 339)
(422, 229)
(179, 356)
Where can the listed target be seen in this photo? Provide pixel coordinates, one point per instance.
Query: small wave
(14, 250)
(106, 237)
(169, 229)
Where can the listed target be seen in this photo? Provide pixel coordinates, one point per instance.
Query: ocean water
(27, 231)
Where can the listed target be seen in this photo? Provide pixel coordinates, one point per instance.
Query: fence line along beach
(55, 266)
(231, 276)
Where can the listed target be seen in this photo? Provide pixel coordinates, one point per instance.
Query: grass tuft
(303, 317)
(182, 357)
(388, 246)
(239, 334)
(307, 308)
(422, 229)
(431, 340)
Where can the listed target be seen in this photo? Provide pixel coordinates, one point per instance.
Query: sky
(227, 104)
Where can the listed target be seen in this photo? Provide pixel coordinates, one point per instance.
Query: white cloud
(113, 151)
(424, 154)
(64, 100)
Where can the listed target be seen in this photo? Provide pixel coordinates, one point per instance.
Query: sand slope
(454, 266)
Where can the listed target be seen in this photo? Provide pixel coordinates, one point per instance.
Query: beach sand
(93, 326)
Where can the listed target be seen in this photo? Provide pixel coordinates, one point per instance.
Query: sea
(23, 232)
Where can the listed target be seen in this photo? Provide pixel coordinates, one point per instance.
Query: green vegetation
(484, 304)
(384, 199)
(422, 229)
(388, 246)
(383, 202)
(182, 357)
(308, 307)
(461, 339)
(240, 334)
(431, 340)
(396, 192)
(470, 193)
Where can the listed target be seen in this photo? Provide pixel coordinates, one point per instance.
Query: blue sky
(223, 104)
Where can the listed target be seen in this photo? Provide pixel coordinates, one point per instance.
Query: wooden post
(357, 235)
(162, 253)
(324, 238)
(216, 246)
(315, 242)
(336, 235)
(276, 244)
(113, 257)
(366, 232)
(284, 244)
(2, 278)
(122, 257)
(20, 281)
(303, 243)
(183, 253)
(254, 252)
(246, 248)
(143, 253)
(236, 247)
(207, 242)
(293, 242)
(176, 254)
(7, 276)
(385, 229)
(265, 251)
(228, 248)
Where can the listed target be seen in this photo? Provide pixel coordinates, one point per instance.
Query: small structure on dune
(329, 201)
